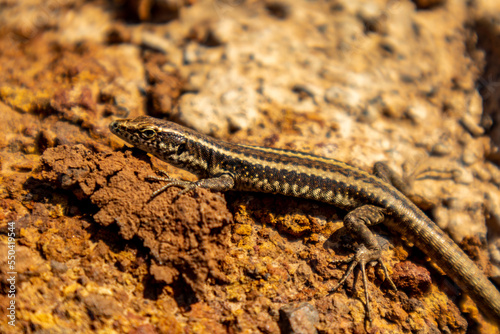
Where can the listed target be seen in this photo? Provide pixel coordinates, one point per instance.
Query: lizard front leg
(219, 183)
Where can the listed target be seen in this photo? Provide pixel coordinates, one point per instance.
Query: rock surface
(413, 83)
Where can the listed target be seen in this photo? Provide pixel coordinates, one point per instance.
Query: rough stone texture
(298, 319)
(414, 83)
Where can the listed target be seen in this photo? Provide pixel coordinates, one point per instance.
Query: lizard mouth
(120, 128)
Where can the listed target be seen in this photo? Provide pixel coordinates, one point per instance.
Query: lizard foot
(362, 257)
(186, 186)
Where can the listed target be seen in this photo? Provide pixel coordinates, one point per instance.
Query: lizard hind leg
(357, 222)
(404, 183)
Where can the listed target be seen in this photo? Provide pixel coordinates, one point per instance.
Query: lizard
(369, 199)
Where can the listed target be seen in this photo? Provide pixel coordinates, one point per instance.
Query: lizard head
(160, 138)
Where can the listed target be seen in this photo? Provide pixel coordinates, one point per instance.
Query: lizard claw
(362, 257)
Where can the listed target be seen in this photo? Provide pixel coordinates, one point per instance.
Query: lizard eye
(148, 133)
